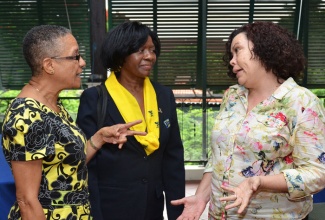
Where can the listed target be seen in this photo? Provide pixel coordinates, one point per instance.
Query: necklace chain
(55, 106)
(34, 87)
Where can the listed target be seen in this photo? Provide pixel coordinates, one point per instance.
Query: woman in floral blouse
(268, 141)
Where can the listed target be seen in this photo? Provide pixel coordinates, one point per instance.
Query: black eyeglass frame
(77, 57)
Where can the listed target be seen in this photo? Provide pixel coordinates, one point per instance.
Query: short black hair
(124, 40)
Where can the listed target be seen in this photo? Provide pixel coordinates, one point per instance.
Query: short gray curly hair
(41, 42)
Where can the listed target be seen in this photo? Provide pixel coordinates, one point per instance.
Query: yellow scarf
(130, 111)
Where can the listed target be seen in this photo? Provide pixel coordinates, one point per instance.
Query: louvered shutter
(17, 17)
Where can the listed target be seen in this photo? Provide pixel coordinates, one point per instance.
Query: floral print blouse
(283, 134)
(33, 131)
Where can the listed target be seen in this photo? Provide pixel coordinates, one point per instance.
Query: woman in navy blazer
(132, 182)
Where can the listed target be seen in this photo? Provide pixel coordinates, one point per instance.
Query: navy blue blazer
(126, 183)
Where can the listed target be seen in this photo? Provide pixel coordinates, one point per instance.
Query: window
(17, 17)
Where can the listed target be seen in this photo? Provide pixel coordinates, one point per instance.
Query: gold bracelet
(92, 144)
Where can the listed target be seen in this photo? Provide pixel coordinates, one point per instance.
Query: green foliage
(70, 100)
(189, 118)
(320, 93)
(191, 128)
(5, 98)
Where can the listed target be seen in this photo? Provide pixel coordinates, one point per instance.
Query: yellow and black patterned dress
(33, 131)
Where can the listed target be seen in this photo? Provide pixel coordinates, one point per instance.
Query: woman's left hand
(242, 194)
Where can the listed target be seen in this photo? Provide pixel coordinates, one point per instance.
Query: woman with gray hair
(44, 147)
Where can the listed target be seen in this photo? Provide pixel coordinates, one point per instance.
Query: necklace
(53, 107)
(34, 87)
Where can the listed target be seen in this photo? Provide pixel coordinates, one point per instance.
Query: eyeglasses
(77, 57)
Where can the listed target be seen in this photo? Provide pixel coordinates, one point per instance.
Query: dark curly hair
(124, 40)
(276, 48)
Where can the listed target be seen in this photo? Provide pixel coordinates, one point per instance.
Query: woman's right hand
(193, 207)
(116, 134)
